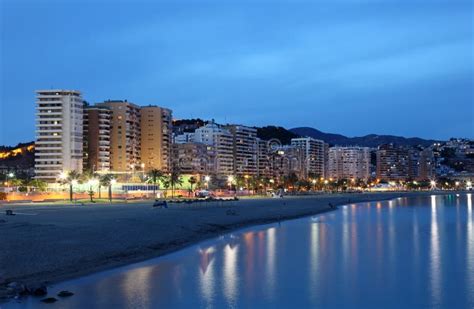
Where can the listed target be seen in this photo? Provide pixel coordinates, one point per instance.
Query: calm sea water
(403, 253)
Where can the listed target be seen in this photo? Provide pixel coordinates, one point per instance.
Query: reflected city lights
(270, 267)
(206, 274)
(136, 285)
(435, 258)
(230, 274)
(470, 248)
(314, 261)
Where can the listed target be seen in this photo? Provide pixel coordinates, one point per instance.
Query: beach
(51, 243)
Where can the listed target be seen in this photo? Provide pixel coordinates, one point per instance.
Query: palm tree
(91, 177)
(154, 177)
(38, 184)
(192, 180)
(175, 178)
(71, 178)
(105, 181)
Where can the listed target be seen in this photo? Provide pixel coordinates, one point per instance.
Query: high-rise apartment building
(314, 155)
(97, 125)
(349, 163)
(124, 135)
(245, 149)
(221, 150)
(156, 134)
(264, 152)
(286, 160)
(393, 163)
(192, 158)
(58, 146)
(426, 165)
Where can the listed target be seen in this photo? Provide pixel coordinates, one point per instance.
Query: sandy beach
(51, 243)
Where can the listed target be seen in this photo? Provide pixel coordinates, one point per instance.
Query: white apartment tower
(59, 140)
(349, 163)
(314, 155)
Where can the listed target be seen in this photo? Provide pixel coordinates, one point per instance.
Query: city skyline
(328, 61)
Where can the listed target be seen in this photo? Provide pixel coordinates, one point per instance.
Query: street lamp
(207, 179)
(73, 183)
(9, 175)
(112, 182)
(230, 179)
(63, 175)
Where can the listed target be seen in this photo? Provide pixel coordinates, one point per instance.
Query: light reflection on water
(416, 252)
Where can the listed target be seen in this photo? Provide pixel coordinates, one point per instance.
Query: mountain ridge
(370, 140)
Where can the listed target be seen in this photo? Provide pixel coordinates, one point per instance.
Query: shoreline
(80, 250)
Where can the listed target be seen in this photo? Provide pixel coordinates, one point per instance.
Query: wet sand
(51, 243)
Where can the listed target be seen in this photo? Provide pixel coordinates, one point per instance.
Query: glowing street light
(63, 175)
(230, 179)
(207, 179)
(113, 181)
(11, 175)
(469, 184)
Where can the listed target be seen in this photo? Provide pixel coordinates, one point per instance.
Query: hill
(371, 140)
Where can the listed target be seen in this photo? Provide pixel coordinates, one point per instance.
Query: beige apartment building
(156, 129)
(349, 163)
(97, 125)
(124, 135)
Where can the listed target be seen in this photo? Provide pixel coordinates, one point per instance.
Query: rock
(65, 294)
(38, 290)
(49, 300)
(16, 288)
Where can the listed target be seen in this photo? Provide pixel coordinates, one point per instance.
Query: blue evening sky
(353, 67)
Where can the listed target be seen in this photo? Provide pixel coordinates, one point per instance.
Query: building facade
(245, 149)
(314, 155)
(125, 137)
(192, 158)
(96, 138)
(348, 163)
(59, 126)
(393, 163)
(426, 165)
(156, 134)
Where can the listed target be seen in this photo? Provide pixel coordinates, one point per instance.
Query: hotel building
(124, 135)
(192, 158)
(156, 134)
(349, 163)
(314, 155)
(245, 149)
(58, 145)
(221, 150)
(97, 125)
(393, 163)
